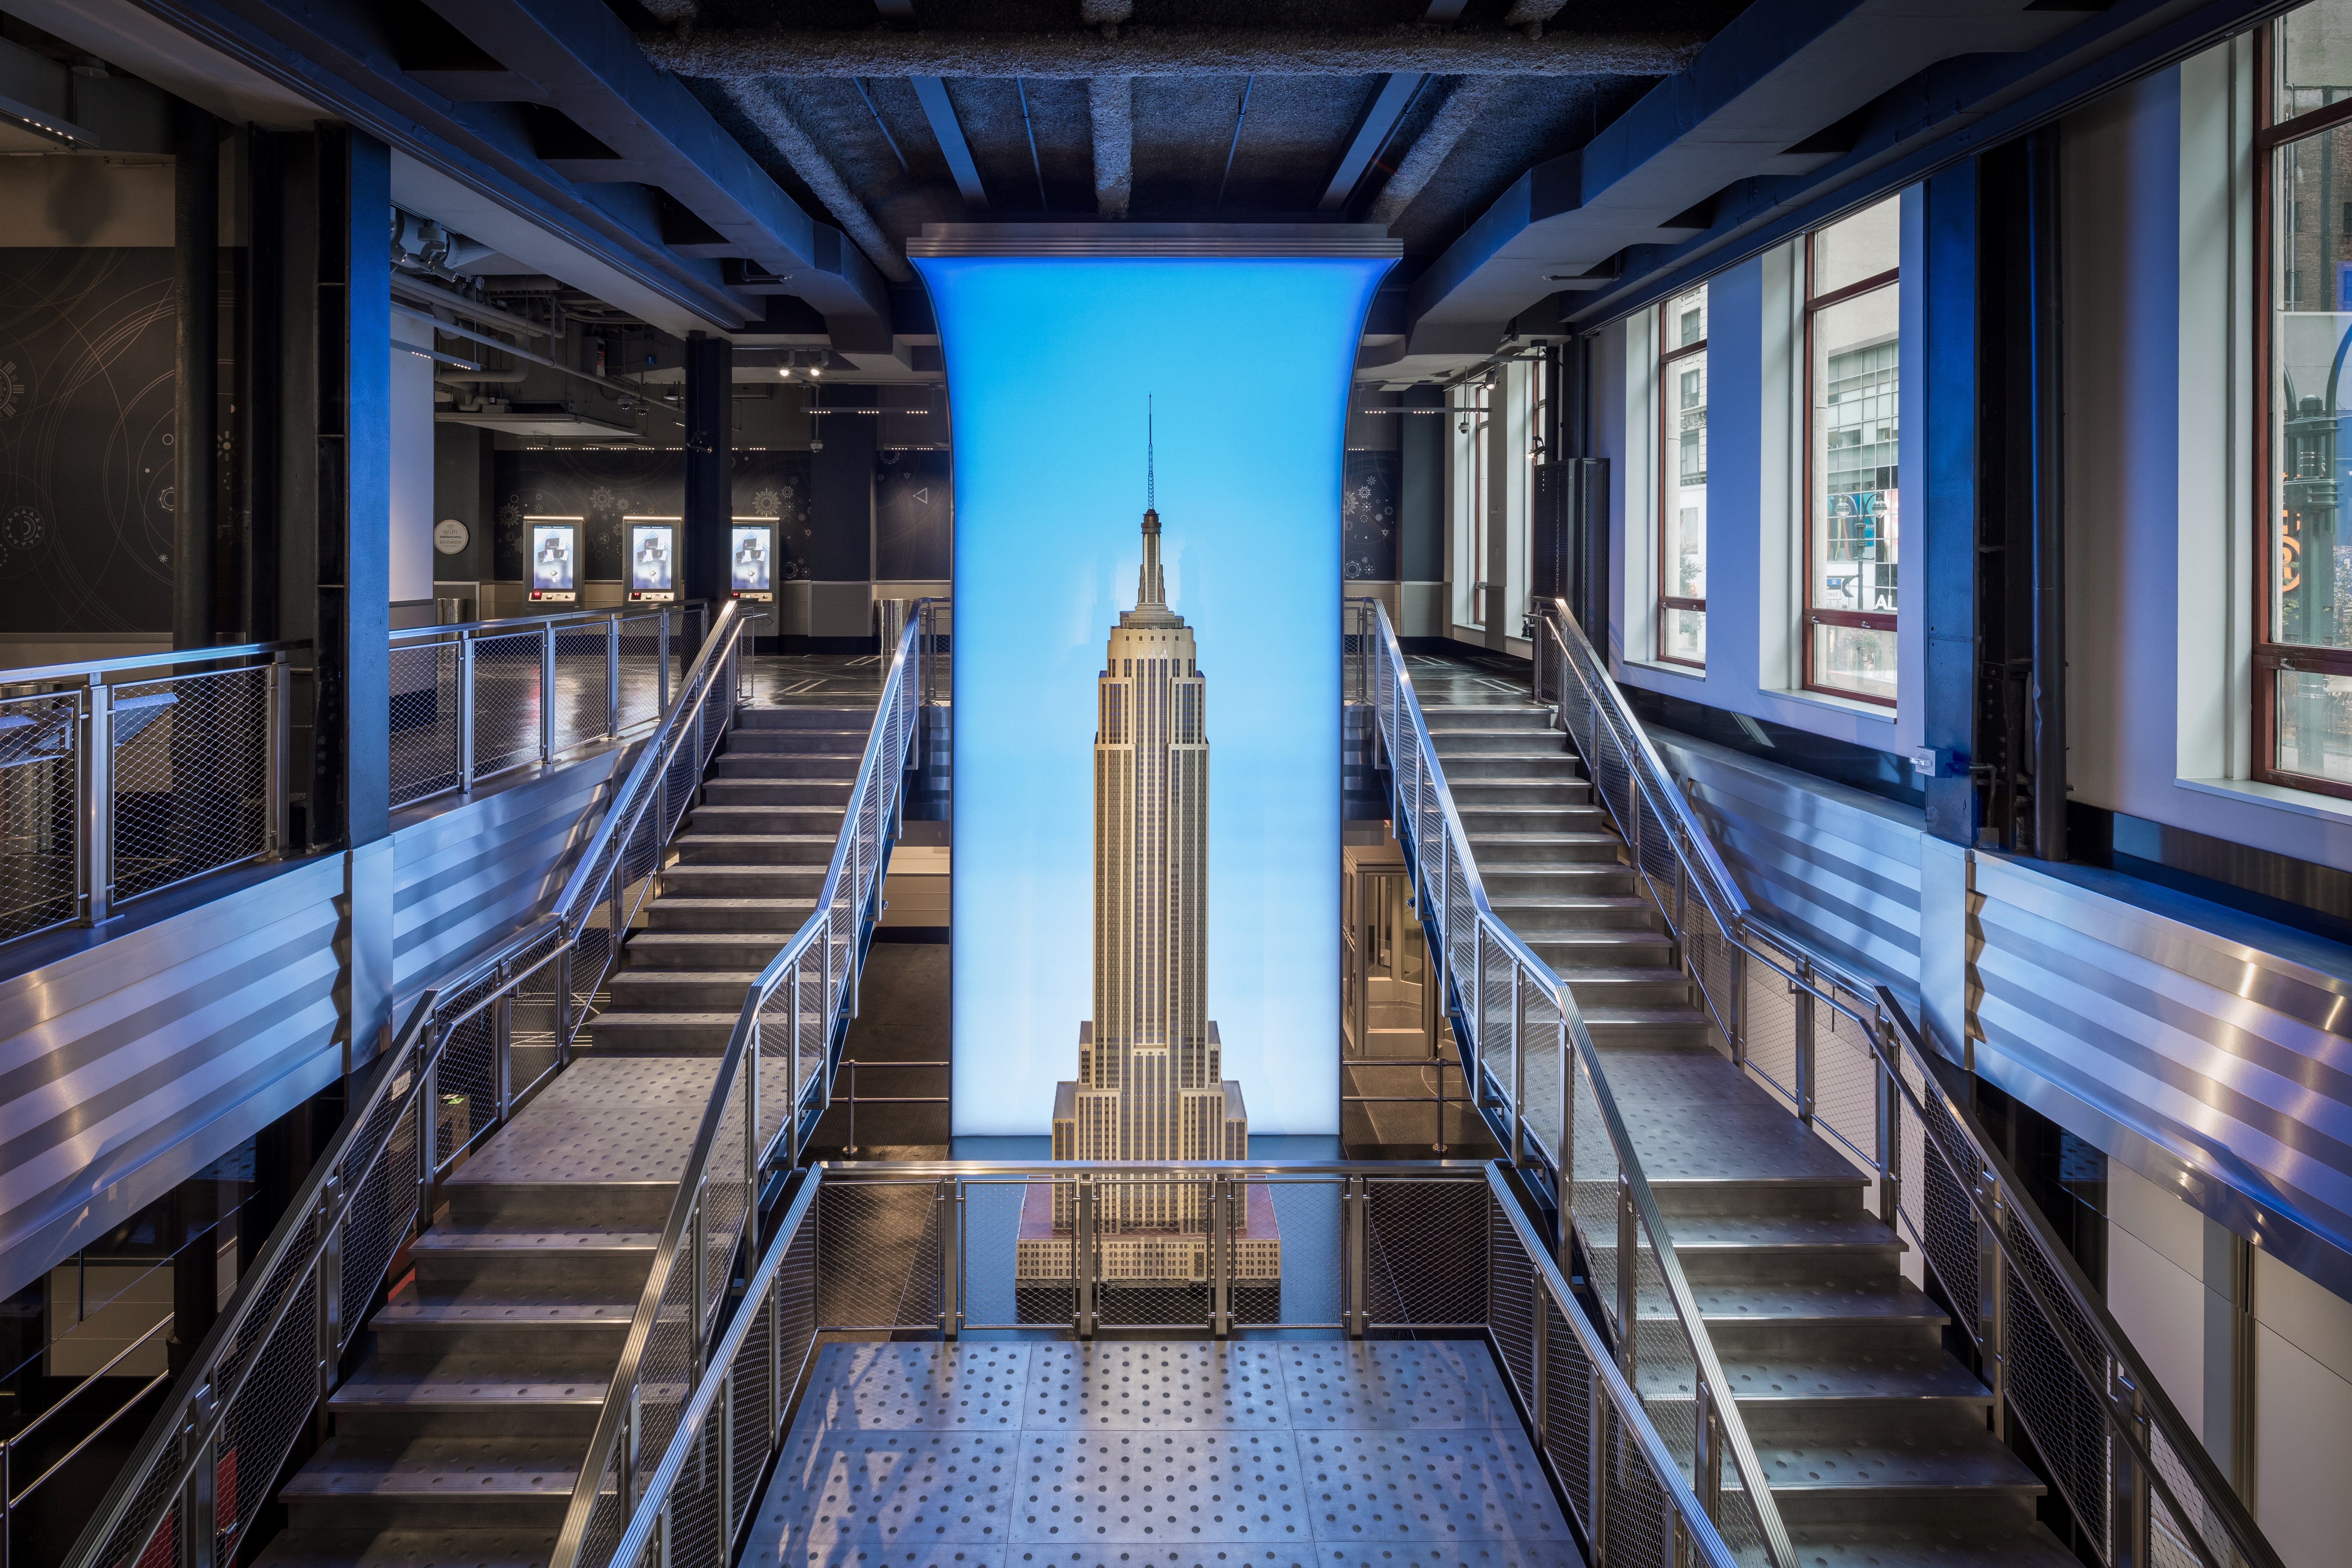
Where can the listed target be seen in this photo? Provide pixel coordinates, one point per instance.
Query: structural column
(709, 463)
(196, 436)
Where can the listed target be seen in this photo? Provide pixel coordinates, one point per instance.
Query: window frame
(1475, 481)
(1669, 450)
(1808, 615)
(2270, 656)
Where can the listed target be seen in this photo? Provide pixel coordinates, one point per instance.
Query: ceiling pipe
(1447, 126)
(734, 54)
(761, 104)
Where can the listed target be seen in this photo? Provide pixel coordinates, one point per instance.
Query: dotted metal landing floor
(1158, 1454)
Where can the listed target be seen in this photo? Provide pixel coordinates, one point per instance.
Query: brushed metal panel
(1828, 863)
(2220, 1057)
(841, 609)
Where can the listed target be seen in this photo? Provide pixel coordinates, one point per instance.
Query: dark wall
(841, 547)
(85, 422)
(603, 486)
(465, 487)
(1421, 493)
(1370, 482)
(913, 538)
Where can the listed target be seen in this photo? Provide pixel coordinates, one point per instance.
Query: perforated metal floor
(1158, 1454)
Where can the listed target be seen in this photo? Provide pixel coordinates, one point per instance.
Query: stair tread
(447, 1238)
(691, 836)
(502, 1311)
(674, 977)
(1540, 902)
(1943, 1456)
(466, 1467)
(474, 1388)
(1925, 1373)
(688, 902)
(408, 1549)
(1719, 1234)
(1929, 1544)
(657, 939)
(1622, 1015)
(1774, 1304)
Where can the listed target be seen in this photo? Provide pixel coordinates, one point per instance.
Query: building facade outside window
(1682, 479)
(1853, 530)
(2303, 630)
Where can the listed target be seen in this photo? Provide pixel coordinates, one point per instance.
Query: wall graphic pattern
(606, 487)
(86, 420)
(1370, 482)
(913, 537)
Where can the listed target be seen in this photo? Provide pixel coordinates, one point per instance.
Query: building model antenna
(1150, 476)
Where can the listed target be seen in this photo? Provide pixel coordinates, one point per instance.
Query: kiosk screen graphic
(653, 560)
(554, 560)
(751, 554)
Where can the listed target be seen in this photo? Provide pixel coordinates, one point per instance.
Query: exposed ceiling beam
(1110, 111)
(1371, 132)
(591, 70)
(762, 107)
(714, 52)
(933, 94)
(1447, 126)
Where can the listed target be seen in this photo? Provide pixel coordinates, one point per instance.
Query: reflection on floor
(1122, 1454)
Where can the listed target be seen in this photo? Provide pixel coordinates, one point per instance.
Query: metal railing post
(1540, 1399)
(428, 1137)
(329, 1293)
(1565, 1175)
(1220, 1257)
(1708, 1456)
(563, 1003)
(1629, 1296)
(1082, 1257)
(1992, 1286)
(502, 1042)
(199, 1527)
(97, 822)
(751, 1144)
(1736, 1012)
(696, 1224)
(1518, 1072)
(2129, 1506)
(612, 676)
(547, 692)
(727, 1466)
(1356, 1259)
(280, 743)
(1890, 1131)
(465, 712)
(1804, 1008)
(661, 661)
(947, 1209)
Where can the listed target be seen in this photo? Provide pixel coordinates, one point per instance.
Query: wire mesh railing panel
(40, 772)
(466, 1087)
(1845, 1086)
(1769, 1028)
(147, 1533)
(1427, 1248)
(579, 688)
(1568, 1397)
(751, 1399)
(1948, 1238)
(534, 1027)
(640, 697)
(2066, 1417)
(425, 713)
(693, 1527)
(1545, 1047)
(381, 1174)
(190, 773)
(877, 1255)
(1666, 1373)
(1511, 1300)
(1015, 1263)
(2172, 1540)
(1594, 1189)
(269, 1411)
(1638, 1519)
(506, 703)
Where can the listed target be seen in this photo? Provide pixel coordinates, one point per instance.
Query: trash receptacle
(890, 616)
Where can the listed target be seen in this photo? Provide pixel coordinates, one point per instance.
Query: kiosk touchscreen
(554, 559)
(751, 561)
(653, 560)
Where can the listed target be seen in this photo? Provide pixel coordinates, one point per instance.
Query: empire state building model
(1151, 1084)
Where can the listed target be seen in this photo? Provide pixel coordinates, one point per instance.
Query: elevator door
(1393, 1007)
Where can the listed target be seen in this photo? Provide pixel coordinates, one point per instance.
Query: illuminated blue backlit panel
(1049, 362)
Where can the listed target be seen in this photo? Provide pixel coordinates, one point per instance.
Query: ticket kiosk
(653, 560)
(554, 559)
(751, 560)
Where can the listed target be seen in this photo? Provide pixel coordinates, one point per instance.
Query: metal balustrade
(122, 777)
(1426, 1248)
(1840, 1053)
(471, 1053)
(773, 1079)
(1520, 1030)
(478, 699)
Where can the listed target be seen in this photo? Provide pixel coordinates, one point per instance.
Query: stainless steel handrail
(1910, 1077)
(693, 1509)
(715, 1212)
(1414, 758)
(378, 1180)
(79, 673)
(564, 618)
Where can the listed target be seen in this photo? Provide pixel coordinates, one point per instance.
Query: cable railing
(1422, 1249)
(775, 1074)
(1841, 1055)
(474, 701)
(122, 777)
(472, 1052)
(1521, 1024)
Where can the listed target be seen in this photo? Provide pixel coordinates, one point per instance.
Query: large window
(1852, 527)
(1470, 412)
(1682, 479)
(2303, 650)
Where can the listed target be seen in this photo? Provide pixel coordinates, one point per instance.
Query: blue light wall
(1049, 362)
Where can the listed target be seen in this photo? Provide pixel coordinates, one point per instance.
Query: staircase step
(779, 916)
(1642, 1029)
(488, 1482)
(1944, 1545)
(729, 765)
(1607, 949)
(1451, 743)
(428, 1548)
(677, 990)
(1485, 716)
(850, 743)
(1532, 882)
(1538, 846)
(492, 1323)
(470, 1401)
(727, 817)
(1796, 1398)
(696, 847)
(1565, 914)
(660, 948)
(1481, 820)
(625, 1032)
(1948, 1472)
(778, 792)
(1505, 765)
(1565, 791)
(850, 721)
(539, 1258)
(694, 881)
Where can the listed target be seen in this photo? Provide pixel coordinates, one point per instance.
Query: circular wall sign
(450, 536)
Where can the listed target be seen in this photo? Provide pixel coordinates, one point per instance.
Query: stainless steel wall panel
(129, 1065)
(1831, 864)
(2227, 1059)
